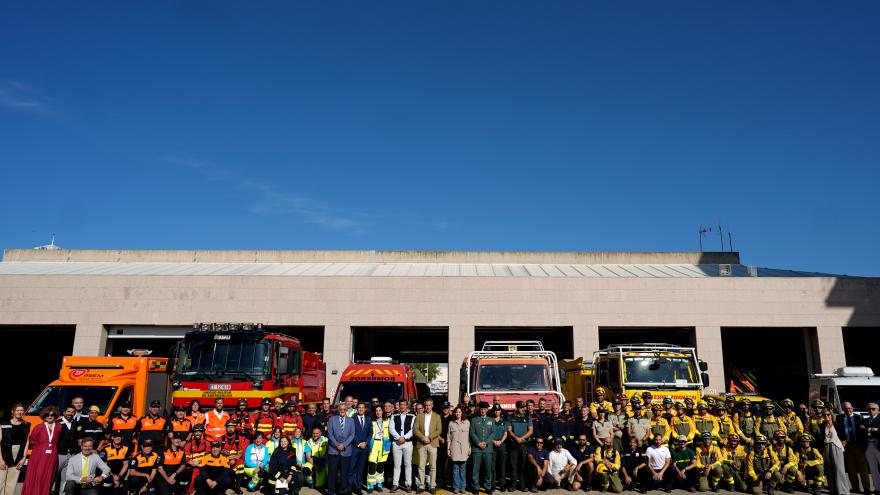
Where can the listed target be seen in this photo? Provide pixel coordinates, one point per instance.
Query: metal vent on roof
(724, 270)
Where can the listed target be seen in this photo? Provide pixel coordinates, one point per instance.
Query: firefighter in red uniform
(152, 427)
(179, 426)
(264, 419)
(290, 420)
(195, 450)
(234, 446)
(124, 423)
(243, 418)
(174, 474)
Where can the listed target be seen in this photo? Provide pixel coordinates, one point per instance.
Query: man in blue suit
(340, 435)
(362, 433)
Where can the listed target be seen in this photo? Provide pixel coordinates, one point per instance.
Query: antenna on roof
(721, 235)
(703, 231)
(48, 247)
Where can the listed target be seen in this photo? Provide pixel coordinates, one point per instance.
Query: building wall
(459, 303)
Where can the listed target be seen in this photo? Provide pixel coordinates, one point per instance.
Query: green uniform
(483, 430)
(500, 428)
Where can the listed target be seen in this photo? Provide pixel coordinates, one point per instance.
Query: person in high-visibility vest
(769, 423)
(726, 426)
(682, 424)
(734, 464)
(215, 422)
(380, 446)
(794, 427)
(811, 464)
(705, 422)
(263, 421)
(746, 422)
(234, 446)
(256, 463)
(762, 467)
(709, 461)
(195, 414)
(788, 461)
(195, 449)
(316, 459)
(289, 420)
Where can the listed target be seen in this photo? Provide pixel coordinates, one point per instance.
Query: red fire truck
(511, 371)
(241, 360)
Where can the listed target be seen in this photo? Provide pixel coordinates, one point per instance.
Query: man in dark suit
(340, 435)
(849, 426)
(360, 450)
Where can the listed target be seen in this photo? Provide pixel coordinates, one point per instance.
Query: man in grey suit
(340, 436)
(79, 475)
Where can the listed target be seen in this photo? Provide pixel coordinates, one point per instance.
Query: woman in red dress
(43, 461)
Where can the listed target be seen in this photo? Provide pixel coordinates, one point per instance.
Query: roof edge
(368, 256)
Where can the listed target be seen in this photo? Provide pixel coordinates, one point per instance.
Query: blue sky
(444, 125)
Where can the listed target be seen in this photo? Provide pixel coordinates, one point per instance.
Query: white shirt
(657, 456)
(558, 460)
(427, 424)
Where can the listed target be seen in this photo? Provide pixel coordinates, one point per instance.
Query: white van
(854, 384)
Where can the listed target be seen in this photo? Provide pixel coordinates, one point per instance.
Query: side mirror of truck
(705, 377)
(704, 366)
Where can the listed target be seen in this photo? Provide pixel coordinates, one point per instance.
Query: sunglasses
(539, 443)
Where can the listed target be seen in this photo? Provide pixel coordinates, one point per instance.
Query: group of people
(608, 445)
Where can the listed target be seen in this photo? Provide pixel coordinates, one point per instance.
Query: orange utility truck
(106, 382)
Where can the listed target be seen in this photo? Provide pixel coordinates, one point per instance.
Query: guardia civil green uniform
(483, 431)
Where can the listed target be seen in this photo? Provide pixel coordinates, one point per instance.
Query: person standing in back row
(13, 442)
(340, 435)
(482, 433)
(851, 427)
(401, 431)
(427, 431)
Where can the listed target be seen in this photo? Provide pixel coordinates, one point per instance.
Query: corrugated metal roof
(389, 270)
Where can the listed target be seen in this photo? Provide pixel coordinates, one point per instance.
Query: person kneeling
(562, 465)
(215, 475)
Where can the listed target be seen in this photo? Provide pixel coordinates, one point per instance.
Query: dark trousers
(224, 482)
(517, 454)
(649, 483)
(135, 483)
(180, 485)
(690, 478)
(337, 474)
(74, 488)
(356, 467)
(442, 467)
(501, 466)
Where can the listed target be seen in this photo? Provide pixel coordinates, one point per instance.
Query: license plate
(219, 386)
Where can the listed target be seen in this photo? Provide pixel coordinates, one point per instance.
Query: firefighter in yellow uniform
(746, 422)
(709, 461)
(726, 426)
(379, 447)
(647, 400)
(794, 427)
(734, 464)
(769, 423)
(705, 422)
(601, 401)
(607, 468)
(682, 424)
(316, 456)
(690, 406)
(788, 461)
(659, 426)
(762, 467)
(811, 464)
(817, 410)
(669, 411)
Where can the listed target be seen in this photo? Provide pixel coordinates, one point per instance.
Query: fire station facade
(419, 306)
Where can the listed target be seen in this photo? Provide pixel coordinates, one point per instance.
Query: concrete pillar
(90, 339)
(337, 354)
(709, 350)
(461, 342)
(831, 351)
(586, 341)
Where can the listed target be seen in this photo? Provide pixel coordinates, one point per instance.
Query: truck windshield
(61, 396)
(669, 371)
(364, 391)
(513, 377)
(859, 395)
(218, 359)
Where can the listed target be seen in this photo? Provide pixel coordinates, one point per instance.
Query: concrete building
(437, 306)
